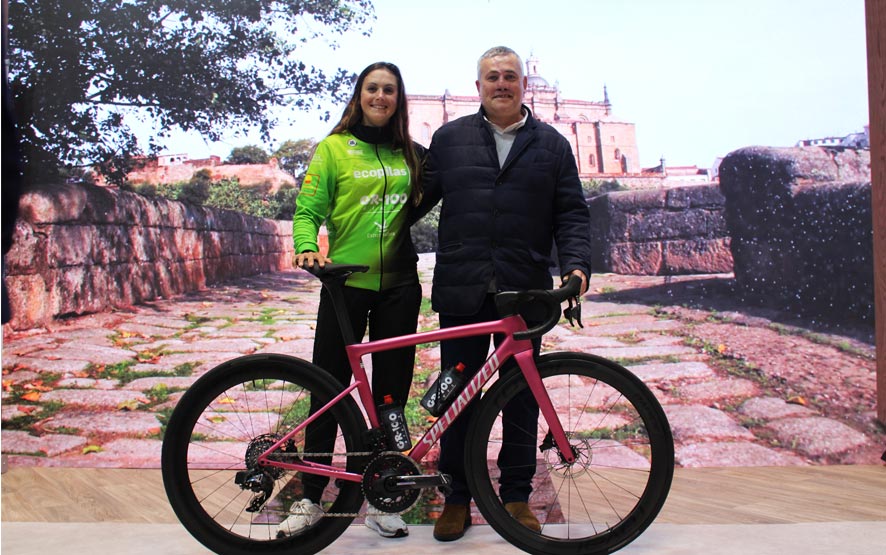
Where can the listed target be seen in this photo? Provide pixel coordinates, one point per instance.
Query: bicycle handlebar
(508, 302)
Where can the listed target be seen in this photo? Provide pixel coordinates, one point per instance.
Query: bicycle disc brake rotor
(378, 478)
(581, 449)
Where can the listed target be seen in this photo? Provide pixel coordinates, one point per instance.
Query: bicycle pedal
(446, 487)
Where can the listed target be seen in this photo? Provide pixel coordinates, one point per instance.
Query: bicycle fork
(556, 433)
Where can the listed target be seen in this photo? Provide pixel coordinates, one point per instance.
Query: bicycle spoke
(623, 458)
(220, 428)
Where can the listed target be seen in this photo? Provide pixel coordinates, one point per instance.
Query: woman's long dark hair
(399, 124)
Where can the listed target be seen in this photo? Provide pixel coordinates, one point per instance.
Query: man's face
(501, 86)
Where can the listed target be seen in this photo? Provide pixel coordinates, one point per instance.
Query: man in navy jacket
(510, 190)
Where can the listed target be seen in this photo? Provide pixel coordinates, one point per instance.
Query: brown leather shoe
(523, 514)
(452, 523)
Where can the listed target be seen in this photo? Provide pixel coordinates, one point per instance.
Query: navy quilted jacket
(502, 223)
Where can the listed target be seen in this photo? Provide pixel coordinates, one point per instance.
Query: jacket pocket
(450, 247)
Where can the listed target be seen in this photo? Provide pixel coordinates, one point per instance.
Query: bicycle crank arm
(405, 483)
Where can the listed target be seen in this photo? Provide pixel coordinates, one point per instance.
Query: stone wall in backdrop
(82, 249)
(800, 222)
(793, 224)
(660, 232)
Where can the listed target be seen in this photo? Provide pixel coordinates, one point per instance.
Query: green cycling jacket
(361, 192)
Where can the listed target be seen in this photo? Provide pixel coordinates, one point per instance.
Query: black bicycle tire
(656, 488)
(177, 436)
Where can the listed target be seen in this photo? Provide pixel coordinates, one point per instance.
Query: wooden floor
(770, 495)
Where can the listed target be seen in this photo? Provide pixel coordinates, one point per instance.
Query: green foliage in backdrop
(83, 72)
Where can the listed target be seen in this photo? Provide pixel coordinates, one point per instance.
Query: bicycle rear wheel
(622, 473)
(222, 424)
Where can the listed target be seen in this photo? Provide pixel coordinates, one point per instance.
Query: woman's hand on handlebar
(584, 280)
(309, 259)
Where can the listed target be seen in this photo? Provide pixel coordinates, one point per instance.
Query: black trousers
(388, 313)
(516, 460)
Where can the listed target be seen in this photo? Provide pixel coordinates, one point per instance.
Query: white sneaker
(386, 524)
(302, 514)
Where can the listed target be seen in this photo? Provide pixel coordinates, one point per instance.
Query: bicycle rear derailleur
(392, 482)
(259, 479)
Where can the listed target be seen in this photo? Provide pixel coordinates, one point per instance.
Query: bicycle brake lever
(573, 312)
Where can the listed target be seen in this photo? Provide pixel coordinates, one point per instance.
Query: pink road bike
(237, 446)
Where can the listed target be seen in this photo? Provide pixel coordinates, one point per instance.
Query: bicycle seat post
(336, 294)
(333, 278)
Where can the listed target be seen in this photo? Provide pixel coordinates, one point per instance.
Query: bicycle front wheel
(624, 457)
(229, 417)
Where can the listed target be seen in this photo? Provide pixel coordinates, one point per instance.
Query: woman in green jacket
(363, 180)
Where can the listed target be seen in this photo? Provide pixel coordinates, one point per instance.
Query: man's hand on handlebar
(573, 312)
(309, 259)
(584, 280)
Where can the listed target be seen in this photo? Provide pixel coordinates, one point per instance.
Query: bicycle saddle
(331, 272)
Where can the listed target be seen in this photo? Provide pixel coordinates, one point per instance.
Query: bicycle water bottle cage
(334, 272)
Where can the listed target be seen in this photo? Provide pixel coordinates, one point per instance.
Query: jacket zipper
(381, 236)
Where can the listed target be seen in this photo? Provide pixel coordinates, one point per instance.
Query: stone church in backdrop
(604, 146)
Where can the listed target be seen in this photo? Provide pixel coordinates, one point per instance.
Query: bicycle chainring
(376, 482)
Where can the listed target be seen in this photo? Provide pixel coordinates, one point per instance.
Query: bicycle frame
(520, 350)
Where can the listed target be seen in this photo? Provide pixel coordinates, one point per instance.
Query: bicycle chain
(300, 454)
(281, 456)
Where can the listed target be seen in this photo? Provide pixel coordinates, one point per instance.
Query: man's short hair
(497, 51)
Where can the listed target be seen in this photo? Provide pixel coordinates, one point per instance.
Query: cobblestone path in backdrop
(740, 388)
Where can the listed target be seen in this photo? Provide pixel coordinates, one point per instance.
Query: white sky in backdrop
(699, 78)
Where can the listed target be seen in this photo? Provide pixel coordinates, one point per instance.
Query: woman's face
(378, 97)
